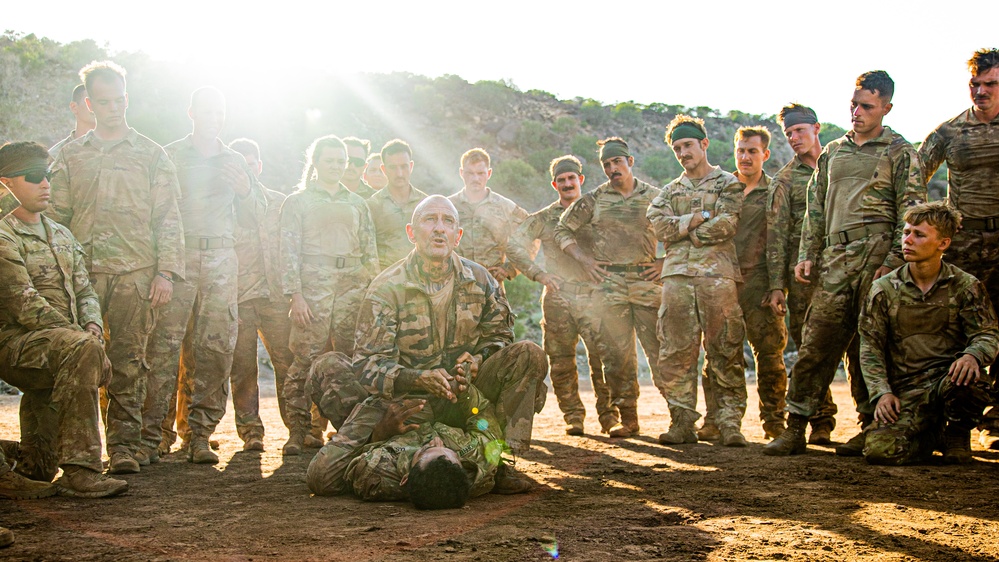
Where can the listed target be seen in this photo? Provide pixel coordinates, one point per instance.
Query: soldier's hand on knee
(438, 383)
(888, 408)
(964, 371)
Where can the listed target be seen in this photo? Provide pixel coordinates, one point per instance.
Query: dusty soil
(597, 499)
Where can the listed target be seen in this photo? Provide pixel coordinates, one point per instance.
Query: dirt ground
(597, 499)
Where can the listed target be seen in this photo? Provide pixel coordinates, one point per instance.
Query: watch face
(706, 214)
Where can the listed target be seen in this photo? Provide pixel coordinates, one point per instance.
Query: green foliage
(519, 181)
(584, 146)
(541, 94)
(830, 132)
(492, 95)
(523, 295)
(594, 113)
(565, 125)
(659, 166)
(628, 113)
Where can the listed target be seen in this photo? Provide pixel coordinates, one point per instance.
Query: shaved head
(434, 202)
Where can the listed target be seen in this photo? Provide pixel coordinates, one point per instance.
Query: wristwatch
(706, 215)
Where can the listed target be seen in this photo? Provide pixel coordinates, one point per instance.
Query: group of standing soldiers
(183, 258)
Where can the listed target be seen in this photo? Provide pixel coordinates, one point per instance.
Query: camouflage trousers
(696, 309)
(192, 343)
(831, 324)
(767, 337)
(59, 370)
(268, 320)
(334, 297)
(128, 322)
(625, 305)
(925, 411)
(977, 252)
(565, 322)
(512, 379)
(799, 296)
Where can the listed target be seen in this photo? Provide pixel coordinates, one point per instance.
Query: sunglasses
(356, 161)
(34, 175)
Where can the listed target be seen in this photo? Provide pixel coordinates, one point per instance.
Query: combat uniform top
(396, 326)
(541, 226)
(971, 150)
(487, 227)
(259, 251)
(43, 282)
(390, 220)
(786, 205)
(621, 233)
(708, 250)
(874, 184)
(751, 235)
(908, 340)
(120, 200)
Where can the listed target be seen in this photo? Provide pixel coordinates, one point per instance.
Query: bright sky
(750, 56)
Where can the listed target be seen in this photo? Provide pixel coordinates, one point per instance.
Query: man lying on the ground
(399, 449)
(918, 319)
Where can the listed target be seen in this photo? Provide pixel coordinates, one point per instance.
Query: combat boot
(732, 437)
(201, 452)
(574, 427)
(312, 442)
(855, 446)
(681, 430)
(510, 481)
(629, 423)
(708, 432)
(773, 429)
(81, 482)
(123, 463)
(792, 441)
(253, 444)
(957, 445)
(821, 434)
(6, 537)
(145, 456)
(16, 487)
(295, 443)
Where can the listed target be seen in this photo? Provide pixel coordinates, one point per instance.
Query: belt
(339, 262)
(991, 223)
(847, 236)
(629, 268)
(213, 243)
(575, 289)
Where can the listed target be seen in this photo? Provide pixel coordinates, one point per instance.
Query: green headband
(566, 166)
(686, 131)
(613, 149)
(798, 117)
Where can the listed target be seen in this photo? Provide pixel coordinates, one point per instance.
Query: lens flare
(551, 547)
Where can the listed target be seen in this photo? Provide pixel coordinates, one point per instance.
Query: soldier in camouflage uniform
(84, 119)
(392, 207)
(566, 302)
(696, 218)
(51, 340)
(857, 197)
(117, 192)
(429, 326)
(624, 265)
(488, 219)
(765, 328)
(917, 320)
(357, 160)
(200, 324)
(263, 310)
(328, 256)
(969, 143)
(785, 215)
